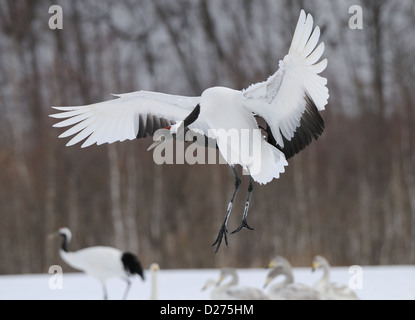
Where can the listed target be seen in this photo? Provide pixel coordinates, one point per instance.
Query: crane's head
(65, 233)
(62, 232)
(164, 135)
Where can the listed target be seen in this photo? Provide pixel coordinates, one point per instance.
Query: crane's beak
(159, 137)
(157, 142)
(52, 235)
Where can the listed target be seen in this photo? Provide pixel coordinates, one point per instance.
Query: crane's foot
(244, 224)
(223, 232)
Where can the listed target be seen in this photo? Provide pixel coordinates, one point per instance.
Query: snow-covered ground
(371, 282)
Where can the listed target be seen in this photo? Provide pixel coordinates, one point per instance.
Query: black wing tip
(311, 127)
(192, 117)
(148, 124)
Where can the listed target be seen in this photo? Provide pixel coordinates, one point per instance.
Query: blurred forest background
(349, 196)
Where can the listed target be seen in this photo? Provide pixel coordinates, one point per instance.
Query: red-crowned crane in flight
(289, 102)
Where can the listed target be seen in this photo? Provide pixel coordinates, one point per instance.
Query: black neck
(192, 116)
(65, 243)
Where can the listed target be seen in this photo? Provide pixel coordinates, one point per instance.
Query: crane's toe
(223, 232)
(244, 224)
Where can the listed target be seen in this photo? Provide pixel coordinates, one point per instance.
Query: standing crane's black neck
(192, 117)
(65, 243)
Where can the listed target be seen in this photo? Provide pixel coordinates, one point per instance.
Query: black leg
(244, 223)
(127, 289)
(223, 230)
(105, 291)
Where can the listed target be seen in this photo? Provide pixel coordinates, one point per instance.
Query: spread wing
(129, 116)
(290, 100)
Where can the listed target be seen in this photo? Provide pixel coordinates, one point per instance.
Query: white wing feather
(281, 99)
(118, 119)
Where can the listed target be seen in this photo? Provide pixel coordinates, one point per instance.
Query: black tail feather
(131, 264)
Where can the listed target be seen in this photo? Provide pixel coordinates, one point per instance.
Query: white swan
(233, 291)
(279, 261)
(288, 289)
(154, 269)
(331, 290)
(217, 292)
